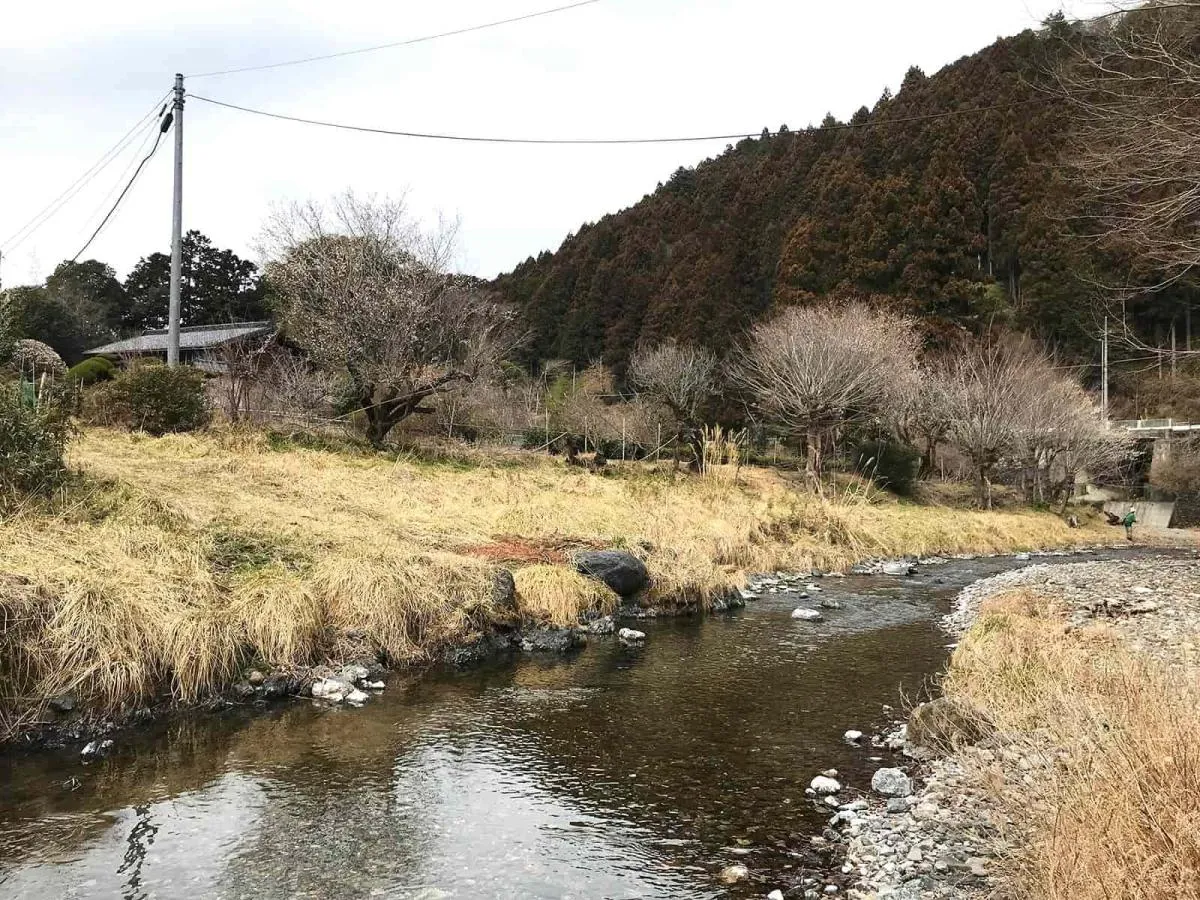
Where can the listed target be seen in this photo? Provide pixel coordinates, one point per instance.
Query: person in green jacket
(1130, 518)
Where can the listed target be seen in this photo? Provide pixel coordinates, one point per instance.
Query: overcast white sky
(74, 76)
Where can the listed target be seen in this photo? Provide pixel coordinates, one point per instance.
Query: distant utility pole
(1104, 374)
(176, 230)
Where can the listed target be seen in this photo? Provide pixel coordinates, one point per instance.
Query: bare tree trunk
(812, 459)
(984, 488)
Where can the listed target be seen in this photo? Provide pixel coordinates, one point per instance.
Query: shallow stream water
(613, 773)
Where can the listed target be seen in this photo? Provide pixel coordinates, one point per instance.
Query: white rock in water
(353, 673)
(1142, 590)
(96, 749)
(891, 783)
(775, 895)
(807, 615)
(356, 697)
(734, 874)
(332, 689)
(823, 784)
(897, 568)
(374, 685)
(852, 736)
(630, 636)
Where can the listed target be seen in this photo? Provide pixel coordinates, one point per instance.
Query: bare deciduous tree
(239, 365)
(923, 420)
(1132, 80)
(815, 369)
(986, 388)
(369, 295)
(682, 378)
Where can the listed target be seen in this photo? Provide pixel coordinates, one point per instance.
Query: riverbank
(177, 566)
(1079, 681)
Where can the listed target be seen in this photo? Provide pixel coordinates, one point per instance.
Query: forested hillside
(946, 196)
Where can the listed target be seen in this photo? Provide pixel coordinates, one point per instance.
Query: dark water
(613, 774)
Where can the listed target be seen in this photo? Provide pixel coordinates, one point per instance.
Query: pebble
(824, 784)
(733, 874)
(807, 615)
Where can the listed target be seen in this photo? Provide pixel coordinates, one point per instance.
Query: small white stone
(775, 895)
(823, 784)
(733, 874)
(629, 636)
(852, 736)
(807, 615)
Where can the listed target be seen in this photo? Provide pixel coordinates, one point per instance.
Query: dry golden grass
(1121, 740)
(557, 595)
(198, 553)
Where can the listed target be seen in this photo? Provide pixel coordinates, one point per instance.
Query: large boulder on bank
(947, 723)
(621, 571)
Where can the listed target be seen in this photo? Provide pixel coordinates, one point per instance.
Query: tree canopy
(949, 195)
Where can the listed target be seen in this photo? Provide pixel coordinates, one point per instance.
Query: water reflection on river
(613, 774)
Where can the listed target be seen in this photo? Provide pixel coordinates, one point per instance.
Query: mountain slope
(943, 196)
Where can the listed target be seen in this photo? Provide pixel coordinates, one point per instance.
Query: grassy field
(177, 561)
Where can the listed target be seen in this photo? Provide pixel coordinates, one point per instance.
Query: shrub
(890, 464)
(91, 371)
(159, 400)
(33, 359)
(33, 439)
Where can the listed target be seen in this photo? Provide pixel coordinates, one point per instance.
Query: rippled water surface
(611, 774)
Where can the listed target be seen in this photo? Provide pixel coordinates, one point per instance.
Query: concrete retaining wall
(1155, 513)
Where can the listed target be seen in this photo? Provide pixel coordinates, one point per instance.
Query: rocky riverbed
(943, 838)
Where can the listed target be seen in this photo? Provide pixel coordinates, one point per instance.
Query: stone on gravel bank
(891, 783)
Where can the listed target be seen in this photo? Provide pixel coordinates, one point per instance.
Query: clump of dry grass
(1120, 739)
(181, 558)
(556, 595)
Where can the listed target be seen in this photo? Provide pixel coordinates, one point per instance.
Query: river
(613, 773)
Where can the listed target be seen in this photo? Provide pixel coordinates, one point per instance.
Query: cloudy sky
(75, 75)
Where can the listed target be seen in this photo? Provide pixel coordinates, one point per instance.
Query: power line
(405, 43)
(897, 120)
(121, 179)
(25, 231)
(166, 123)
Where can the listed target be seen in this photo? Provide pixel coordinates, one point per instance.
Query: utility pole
(1104, 374)
(176, 230)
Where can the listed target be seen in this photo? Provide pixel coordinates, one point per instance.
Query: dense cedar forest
(946, 197)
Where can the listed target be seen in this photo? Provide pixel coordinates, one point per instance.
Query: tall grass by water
(1114, 811)
(177, 561)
